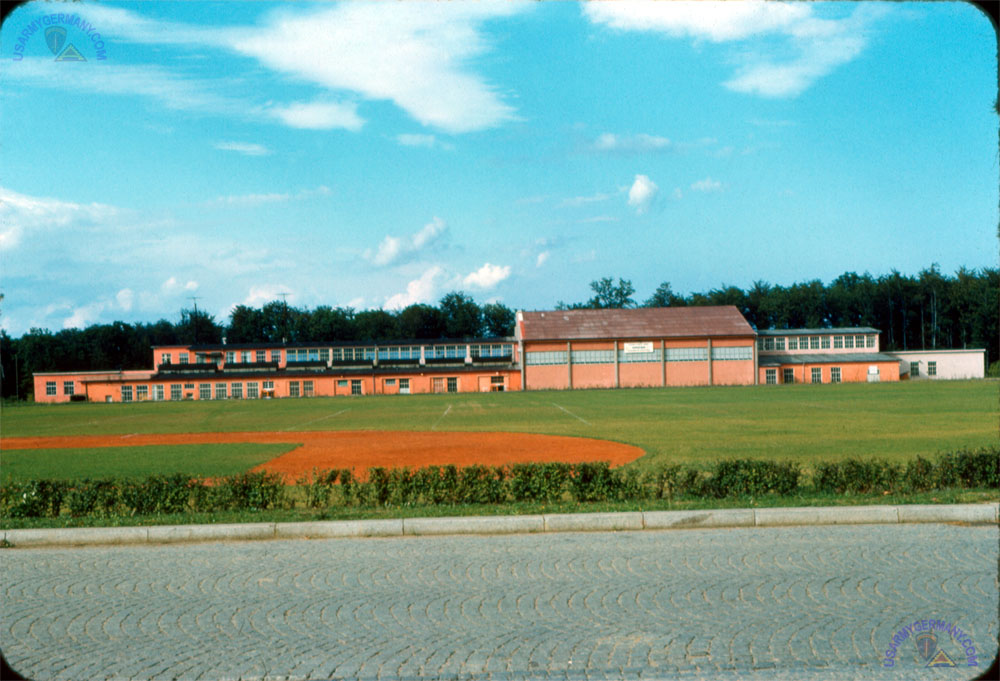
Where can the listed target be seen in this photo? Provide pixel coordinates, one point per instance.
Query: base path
(364, 449)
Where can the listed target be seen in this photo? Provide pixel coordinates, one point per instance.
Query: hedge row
(533, 482)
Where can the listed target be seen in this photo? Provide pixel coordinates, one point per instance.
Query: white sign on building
(638, 347)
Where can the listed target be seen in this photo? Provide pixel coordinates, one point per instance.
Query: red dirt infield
(360, 450)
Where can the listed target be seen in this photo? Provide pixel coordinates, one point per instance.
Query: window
(158, 393)
(793, 343)
(230, 357)
(275, 355)
(838, 342)
(245, 356)
(452, 385)
(543, 358)
(788, 376)
(141, 392)
(745, 352)
(307, 388)
(593, 356)
(404, 386)
(769, 343)
(687, 354)
(324, 354)
(183, 358)
(814, 342)
(355, 387)
(252, 390)
(165, 358)
(236, 391)
(175, 391)
(293, 388)
(870, 341)
(932, 368)
(390, 382)
(914, 369)
(859, 341)
(834, 374)
(204, 391)
(770, 376)
(67, 387)
(220, 391)
(260, 356)
(760, 343)
(779, 343)
(189, 386)
(817, 375)
(848, 341)
(50, 387)
(342, 383)
(126, 393)
(825, 342)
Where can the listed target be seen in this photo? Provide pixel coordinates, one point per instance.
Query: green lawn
(136, 462)
(799, 422)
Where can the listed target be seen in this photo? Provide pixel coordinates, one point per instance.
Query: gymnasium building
(551, 350)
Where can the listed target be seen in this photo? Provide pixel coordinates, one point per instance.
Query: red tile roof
(646, 322)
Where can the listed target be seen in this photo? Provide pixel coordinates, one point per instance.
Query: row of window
(697, 354)
(222, 391)
(788, 375)
(362, 354)
(915, 369)
(50, 388)
(780, 343)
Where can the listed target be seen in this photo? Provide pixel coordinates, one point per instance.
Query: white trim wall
(941, 364)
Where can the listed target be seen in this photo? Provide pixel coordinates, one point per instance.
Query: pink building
(844, 355)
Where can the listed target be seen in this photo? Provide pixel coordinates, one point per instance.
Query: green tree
(498, 320)
(462, 316)
(608, 295)
(246, 325)
(421, 321)
(664, 296)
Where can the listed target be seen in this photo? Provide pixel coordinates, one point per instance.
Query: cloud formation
(393, 248)
(420, 290)
(706, 185)
(641, 193)
(487, 276)
(319, 115)
(609, 142)
(22, 215)
(813, 47)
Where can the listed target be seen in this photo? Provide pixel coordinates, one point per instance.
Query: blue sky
(379, 154)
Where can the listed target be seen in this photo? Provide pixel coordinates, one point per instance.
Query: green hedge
(526, 482)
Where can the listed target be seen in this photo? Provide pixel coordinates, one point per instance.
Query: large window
(745, 353)
(231, 357)
(404, 386)
(838, 342)
(849, 342)
(158, 393)
(141, 392)
(236, 391)
(307, 388)
(355, 387)
(542, 358)
(452, 385)
(245, 356)
(816, 375)
(771, 376)
(220, 391)
(260, 355)
(252, 390)
(68, 387)
(275, 355)
(293, 388)
(932, 368)
(165, 358)
(788, 376)
(870, 343)
(859, 341)
(50, 387)
(769, 343)
(834, 374)
(175, 391)
(779, 343)
(793, 343)
(825, 342)
(632, 357)
(183, 358)
(126, 393)
(687, 354)
(914, 369)
(814, 342)
(593, 356)
(204, 391)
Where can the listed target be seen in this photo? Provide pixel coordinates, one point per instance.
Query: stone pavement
(759, 603)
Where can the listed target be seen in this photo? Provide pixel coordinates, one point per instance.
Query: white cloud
(263, 294)
(422, 290)
(642, 193)
(84, 316)
(125, 298)
(245, 148)
(487, 276)
(415, 55)
(22, 215)
(393, 248)
(172, 287)
(319, 115)
(542, 258)
(630, 143)
(706, 185)
(584, 200)
(816, 46)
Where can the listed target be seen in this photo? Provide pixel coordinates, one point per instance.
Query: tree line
(929, 310)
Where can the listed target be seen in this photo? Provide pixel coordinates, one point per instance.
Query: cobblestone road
(806, 602)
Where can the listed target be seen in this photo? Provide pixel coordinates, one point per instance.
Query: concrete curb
(970, 514)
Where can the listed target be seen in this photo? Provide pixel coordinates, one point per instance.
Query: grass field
(896, 421)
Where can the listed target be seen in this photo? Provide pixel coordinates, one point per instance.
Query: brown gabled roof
(647, 322)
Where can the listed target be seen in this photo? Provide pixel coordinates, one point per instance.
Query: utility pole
(284, 321)
(194, 318)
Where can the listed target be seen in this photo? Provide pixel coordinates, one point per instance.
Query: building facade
(551, 350)
(917, 365)
(839, 355)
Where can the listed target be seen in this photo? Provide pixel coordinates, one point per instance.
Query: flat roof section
(829, 358)
(646, 322)
(817, 332)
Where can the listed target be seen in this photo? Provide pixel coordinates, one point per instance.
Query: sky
(160, 155)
